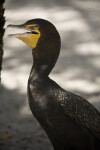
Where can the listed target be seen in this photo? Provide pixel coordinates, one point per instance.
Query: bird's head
(43, 38)
(38, 30)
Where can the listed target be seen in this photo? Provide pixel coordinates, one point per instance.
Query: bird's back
(55, 109)
(79, 110)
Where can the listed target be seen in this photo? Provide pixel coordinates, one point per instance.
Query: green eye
(36, 26)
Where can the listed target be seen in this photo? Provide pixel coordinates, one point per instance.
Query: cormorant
(70, 121)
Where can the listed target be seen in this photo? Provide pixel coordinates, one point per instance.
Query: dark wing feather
(80, 111)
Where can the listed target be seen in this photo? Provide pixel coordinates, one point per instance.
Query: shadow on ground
(18, 124)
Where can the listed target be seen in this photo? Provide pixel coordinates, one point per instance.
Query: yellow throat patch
(31, 39)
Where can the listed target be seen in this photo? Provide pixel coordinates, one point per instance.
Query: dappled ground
(77, 70)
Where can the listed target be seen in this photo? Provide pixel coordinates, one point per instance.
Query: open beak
(25, 34)
(29, 37)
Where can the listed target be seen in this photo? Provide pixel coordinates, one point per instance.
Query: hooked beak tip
(8, 26)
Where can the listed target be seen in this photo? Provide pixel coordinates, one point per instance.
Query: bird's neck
(39, 72)
(41, 67)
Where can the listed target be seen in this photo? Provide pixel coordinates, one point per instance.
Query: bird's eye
(36, 26)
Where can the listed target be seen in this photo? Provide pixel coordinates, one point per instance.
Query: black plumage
(70, 121)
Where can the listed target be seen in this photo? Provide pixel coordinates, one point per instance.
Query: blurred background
(77, 69)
